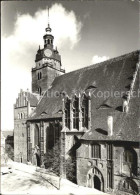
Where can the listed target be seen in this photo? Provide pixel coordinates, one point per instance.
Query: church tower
(48, 64)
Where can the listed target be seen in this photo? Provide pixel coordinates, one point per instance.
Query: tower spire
(48, 16)
(48, 29)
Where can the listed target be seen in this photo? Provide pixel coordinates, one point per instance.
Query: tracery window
(95, 151)
(84, 110)
(67, 113)
(75, 107)
(76, 112)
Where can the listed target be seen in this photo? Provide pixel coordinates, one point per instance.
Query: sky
(85, 32)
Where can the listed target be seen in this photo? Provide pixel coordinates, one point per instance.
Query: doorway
(97, 183)
(38, 160)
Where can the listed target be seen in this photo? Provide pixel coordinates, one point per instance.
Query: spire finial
(48, 17)
(48, 29)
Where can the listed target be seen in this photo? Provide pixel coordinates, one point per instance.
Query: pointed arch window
(84, 109)
(39, 75)
(67, 113)
(75, 107)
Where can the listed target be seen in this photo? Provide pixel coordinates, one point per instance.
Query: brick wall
(48, 75)
(20, 135)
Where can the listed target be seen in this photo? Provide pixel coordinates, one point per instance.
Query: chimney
(110, 125)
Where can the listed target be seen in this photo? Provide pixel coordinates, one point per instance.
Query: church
(94, 111)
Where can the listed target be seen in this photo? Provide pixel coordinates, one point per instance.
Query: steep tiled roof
(33, 98)
(106, 77)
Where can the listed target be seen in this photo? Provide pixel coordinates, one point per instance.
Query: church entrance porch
(95, 179)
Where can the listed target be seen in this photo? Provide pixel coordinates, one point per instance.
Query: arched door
(95, 179)
(97, 183)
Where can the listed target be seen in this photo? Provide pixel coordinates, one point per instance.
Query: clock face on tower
(48, 52)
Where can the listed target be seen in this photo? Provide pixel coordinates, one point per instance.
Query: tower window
(48, 41)
(39, 75)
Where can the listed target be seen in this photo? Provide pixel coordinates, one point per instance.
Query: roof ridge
(100, 63)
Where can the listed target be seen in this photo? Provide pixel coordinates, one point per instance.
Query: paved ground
(20, 182)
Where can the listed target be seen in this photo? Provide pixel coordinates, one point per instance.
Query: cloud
(18, 50)
(97, 59)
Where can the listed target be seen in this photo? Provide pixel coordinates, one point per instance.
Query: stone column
(41, 141)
